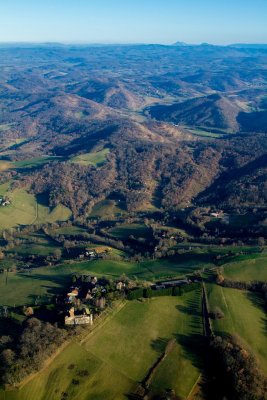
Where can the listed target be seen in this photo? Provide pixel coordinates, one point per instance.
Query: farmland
(96, 158)
(106, 209)
(138, 333)
(244, 316)
(125, 231)
(248, 269)
(47, 281)
(22, 210)
(135, 165)
(30, 163)
(25, 209)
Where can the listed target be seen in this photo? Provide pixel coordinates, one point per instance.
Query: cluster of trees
(172, 291)
(168, 173)
(37, 342)
(238, 368)
(253, 286)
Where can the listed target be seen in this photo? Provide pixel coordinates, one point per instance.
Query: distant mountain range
(88, 44)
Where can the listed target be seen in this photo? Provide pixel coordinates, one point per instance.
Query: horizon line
(178, 43)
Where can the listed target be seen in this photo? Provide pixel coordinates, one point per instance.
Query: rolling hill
(214, 111)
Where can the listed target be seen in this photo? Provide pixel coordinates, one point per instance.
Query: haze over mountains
(180, 123)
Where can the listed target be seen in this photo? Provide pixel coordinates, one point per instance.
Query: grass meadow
(117, 355)
(26, 210)
(96, 158)
(249, 269)
(244, 315)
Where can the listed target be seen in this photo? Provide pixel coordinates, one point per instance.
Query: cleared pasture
(115, 357)
(96, 158)
(244, 315)
(249, 269)
(26, 210)
(126, 230)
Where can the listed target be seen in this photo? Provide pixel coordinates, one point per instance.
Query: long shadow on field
(189, 310)
(258, 301)
(197, 350)
(60, 281)
(159, 345)
(193, 348)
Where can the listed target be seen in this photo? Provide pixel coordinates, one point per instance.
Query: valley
(133, 183)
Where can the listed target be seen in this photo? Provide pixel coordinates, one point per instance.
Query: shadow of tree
(188, 310)
(159, 345)
(258, 301)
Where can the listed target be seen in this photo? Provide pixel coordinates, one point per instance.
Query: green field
(119, 353)
(96, 158)
(25, 210)
(34, 162)
(249, 269)
(22, 211)
(45, 281)
(105, 208)
(200, 132)
(244, 316)
(147, 270)
(69, 230)
(4, 188)
(37, 244)
(28, 163)
(46, 215)
(23, 288)
(126, 230)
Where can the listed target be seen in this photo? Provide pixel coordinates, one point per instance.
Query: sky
(134, 21)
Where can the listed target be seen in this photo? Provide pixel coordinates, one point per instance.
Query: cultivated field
(118, 354)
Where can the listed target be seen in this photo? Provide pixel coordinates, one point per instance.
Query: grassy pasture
(151, 270)
(96, 158)
(22, 210)
(5, 165)
(204, 133)
(126, 230)
(119, 353)
(176, 266)
(69, 230)
(25, 210)
(105, 208)
(33, 162)
(244, 315)
(26, 164)
(58, 213)
(102, 382)
(249, 269)
(4, 188)
(22, 288)
(37, 244)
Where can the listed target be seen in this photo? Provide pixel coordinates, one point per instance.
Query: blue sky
(134, 21)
